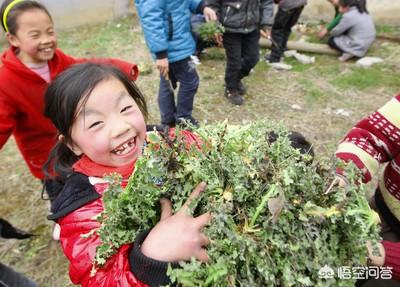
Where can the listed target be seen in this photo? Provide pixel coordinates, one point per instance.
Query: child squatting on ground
(27, 67)
(243, 21)
(372, 142)
(168, 34)
(100, 115)
(355, 32)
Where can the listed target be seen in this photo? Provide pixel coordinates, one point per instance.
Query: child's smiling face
(109, 128)
(35, 37)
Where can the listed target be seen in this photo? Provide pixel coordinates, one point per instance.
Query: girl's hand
(373, 258)
(178, 237)
(322, 32)
(163, 66)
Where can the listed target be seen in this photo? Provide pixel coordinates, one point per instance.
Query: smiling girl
(100, 116)
(27, 67)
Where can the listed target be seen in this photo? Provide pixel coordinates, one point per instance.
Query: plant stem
(261, 206)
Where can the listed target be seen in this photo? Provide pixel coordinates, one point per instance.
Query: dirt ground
(322, 100)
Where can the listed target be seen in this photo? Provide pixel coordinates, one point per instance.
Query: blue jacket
(166, 27)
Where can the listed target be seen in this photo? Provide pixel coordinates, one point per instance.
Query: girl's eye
(94, 124)
(126, 108)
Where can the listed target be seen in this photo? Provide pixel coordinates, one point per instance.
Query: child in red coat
(27, 67)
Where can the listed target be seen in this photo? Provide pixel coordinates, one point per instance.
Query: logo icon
(326, 272)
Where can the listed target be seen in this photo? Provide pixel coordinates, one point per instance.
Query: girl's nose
(119, 128)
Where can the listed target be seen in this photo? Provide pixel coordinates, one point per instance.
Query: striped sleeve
(374, 140)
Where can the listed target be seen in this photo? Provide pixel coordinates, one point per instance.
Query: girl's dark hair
(360, 4)
(66, 95)
(17, 10)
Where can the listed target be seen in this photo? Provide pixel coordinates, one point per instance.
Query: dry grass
(319, 90)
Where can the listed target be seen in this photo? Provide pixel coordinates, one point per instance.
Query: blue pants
(184, 73)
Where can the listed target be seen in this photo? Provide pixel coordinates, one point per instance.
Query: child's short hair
(66, 94)
(14, 9)
(297, 141)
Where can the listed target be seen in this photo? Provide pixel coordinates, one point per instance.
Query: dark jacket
(243, 16)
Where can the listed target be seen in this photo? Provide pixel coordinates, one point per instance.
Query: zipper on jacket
(226, 14)
(170, 27)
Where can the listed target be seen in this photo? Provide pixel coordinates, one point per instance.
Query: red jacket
(22, 104)
(75, 210)
(81, 250)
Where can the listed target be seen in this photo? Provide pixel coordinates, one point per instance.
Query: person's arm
(152, 17)
(130, 69)
(374, 140)
(266, 14)
(392, 257)
(334, 22)
(345, 23)
(7, 116)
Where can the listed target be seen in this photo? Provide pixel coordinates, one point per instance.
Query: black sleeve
(150, 271)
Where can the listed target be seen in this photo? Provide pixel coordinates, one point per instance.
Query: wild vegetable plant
(209, 30)
(272, 223)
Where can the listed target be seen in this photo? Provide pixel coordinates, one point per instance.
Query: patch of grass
(297, 66)
(387, 29)
(364, 78)
(313, 94)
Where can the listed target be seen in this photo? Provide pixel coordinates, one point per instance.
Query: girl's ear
(73, 147)
(12, 39)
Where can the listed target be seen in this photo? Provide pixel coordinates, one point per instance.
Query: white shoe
(280, 66)
(195, 60)
(345, 57)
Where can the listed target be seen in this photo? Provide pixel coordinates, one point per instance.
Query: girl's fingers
(204, 240)
(196, 192)
(166, 208)
(202, 255)
(202, 220)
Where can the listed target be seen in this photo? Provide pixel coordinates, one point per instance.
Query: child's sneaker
(280, 66)
(195, 59)
(242, 89)
(345, 57)
(234, 97)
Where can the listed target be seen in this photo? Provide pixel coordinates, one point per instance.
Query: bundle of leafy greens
(209, 30)
(272, 223)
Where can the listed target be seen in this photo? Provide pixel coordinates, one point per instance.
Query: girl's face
(35, 37)
(343, 9)
(109, 128)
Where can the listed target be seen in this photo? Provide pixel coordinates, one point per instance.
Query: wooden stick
(303, 47)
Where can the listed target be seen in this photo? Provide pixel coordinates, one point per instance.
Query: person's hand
(209, 14)
(265, 33)
(178, 237)
(322, 32)
(376, 259)
(218, 39)
(163, 67)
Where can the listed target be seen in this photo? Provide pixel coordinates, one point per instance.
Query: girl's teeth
(123, 149)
